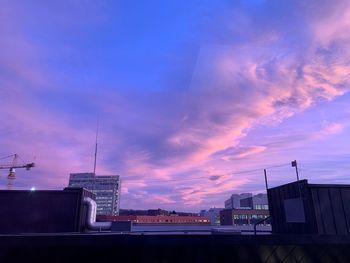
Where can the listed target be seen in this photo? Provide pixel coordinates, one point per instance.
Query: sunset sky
(194, 98)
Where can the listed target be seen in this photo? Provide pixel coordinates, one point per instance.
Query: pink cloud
(235, 88)
(328, 129)
(194, 195)
(334, 25)
(273, 99)
(242, 152)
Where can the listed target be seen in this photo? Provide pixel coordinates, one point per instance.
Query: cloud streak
(256, 68)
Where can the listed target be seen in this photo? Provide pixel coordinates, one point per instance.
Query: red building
(158, 220)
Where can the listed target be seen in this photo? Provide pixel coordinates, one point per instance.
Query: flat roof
(305, 181)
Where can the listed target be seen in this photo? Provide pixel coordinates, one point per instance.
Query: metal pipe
(91, 216)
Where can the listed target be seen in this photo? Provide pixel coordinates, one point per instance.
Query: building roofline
(294, 182)
(329, 185)
(305, 181)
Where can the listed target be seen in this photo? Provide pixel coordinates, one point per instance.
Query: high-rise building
(105, 187)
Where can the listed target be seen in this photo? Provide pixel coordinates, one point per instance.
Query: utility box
(303, 208)
(43, 211)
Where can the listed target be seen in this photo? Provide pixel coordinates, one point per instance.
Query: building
(213, 214)
(234, 200)
(106, 188)
(243, 217)
(245, 209)
(258, 201)
(303, 208)
(157, 212)
(153, 212)
(158, 220)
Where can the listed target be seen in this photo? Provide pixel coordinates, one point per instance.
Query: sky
(194, 98)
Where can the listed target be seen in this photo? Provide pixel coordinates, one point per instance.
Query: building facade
(158, 220)
(245, 210)
(243, 217)
(213, 214)
(258, 202)
(105, 187)
(234, 200)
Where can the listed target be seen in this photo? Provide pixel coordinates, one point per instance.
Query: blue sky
(184, 90)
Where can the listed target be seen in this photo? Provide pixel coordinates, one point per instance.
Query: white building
(258, 202)
(235, 200)
(213, 214)
(105, 187)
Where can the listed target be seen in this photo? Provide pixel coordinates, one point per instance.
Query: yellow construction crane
(13, 166)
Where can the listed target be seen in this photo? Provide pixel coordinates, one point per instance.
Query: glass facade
(105, 187)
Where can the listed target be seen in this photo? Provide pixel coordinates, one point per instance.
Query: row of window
(104, 198)
(104, 205)
(261, 207)
(249, 216)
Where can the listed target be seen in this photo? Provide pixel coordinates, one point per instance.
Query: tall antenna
(97, 126)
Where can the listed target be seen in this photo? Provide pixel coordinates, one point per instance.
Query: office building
(245, 210)
(106, 188)
(234, 200)
(258, 201)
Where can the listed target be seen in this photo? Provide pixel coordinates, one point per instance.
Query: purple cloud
(200, 108)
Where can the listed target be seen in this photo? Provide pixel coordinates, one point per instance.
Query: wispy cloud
(198, 107)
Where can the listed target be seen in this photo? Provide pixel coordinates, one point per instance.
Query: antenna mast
(98, 123)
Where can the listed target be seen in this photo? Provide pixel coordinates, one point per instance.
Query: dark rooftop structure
(114, 247)
(303, 208)
(59, 226)
(43, 211)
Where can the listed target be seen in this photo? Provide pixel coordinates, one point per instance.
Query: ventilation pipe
(91, 216)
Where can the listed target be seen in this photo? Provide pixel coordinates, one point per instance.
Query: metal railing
(259, 222)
